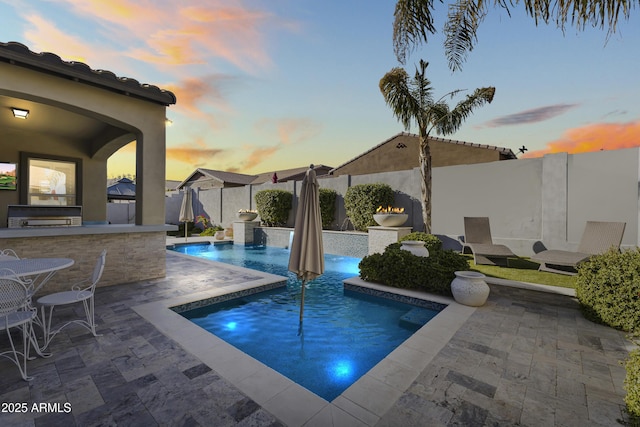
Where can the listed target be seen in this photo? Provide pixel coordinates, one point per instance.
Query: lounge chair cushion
(477, 238)
(558, 257)
(598, 237)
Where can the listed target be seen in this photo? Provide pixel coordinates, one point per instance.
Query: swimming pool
(345, 333)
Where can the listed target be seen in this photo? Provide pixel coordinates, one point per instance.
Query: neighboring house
(401, 152)
(60, 122)
(295, 174)
(210, 178)
(171, 186)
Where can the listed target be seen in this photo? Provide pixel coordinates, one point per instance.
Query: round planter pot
(390, 220)
(416, 247)
(219, 235)
(247, 216)
(469, 288)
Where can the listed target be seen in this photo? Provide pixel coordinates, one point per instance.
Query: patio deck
(525, 358)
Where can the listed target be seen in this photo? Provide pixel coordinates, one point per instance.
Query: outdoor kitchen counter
(10, 233)
(134, 252)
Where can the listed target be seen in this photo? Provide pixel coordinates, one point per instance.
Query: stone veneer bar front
(134, 252)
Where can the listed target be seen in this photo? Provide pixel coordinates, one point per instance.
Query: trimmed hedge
(273, 206)
(328, 206)
(362, 200)
(402, 269)
(431, 242)
(608, 289)
(632, 387)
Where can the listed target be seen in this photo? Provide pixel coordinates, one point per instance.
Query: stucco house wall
(85, 115)
(531, 203)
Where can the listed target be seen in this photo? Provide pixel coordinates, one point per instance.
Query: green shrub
(399, 268)
(431, 242)
(327, 206)
(632, 387)
(273, 206)
(608, 289)
(362, 200)
(211, 231)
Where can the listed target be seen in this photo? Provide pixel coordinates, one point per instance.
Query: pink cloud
(168, 33)
(595, 137)
(290, 130)
(195, 153)
(193, 93)
(43, 36)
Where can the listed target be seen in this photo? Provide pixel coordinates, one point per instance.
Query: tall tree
(411, 100)
(413, 20)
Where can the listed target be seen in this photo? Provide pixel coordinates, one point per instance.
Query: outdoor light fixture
(19, 113)
(167, 122)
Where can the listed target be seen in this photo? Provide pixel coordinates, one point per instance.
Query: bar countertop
(10, 233)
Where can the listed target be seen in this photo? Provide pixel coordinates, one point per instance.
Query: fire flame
(389, 210)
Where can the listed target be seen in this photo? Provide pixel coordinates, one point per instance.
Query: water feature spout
(290, 240)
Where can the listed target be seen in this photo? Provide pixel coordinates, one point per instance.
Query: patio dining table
(35, 273)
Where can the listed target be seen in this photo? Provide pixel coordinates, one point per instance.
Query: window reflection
(52, 182)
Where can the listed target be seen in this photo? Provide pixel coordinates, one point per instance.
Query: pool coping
(363, 403)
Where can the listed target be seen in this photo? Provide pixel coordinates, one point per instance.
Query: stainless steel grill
(27, 216)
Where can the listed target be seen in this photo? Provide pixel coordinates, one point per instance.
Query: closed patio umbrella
(307, 254)
(186, 210)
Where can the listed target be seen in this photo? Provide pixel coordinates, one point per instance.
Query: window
(51, 181)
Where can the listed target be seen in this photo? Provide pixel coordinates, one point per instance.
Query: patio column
(150, 175)
(94, 203)
(554, 200)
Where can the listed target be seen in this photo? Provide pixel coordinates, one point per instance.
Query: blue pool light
(347, 265)
(231, 326)
(341, 370)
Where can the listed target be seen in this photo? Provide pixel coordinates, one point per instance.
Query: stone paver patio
(525, 358)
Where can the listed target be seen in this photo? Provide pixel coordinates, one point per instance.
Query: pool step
(415, 317)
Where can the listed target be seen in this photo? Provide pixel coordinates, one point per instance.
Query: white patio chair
(15, 313)
(82, 291)
(8, 254)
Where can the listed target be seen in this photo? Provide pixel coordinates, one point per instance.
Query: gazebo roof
(124, 189)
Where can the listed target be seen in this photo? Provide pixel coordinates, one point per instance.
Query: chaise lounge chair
(598, 237)
(477, 239)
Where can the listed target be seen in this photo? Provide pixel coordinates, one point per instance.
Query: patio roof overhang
(75, 111)
(45, 118)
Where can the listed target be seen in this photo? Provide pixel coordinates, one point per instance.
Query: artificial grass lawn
(524, 270)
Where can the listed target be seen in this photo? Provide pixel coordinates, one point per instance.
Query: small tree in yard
(412, 101)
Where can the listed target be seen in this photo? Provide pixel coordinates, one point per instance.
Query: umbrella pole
(301, 308)
(185, 231)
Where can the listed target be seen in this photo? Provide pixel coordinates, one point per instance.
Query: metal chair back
(98, 269)
(13, 293)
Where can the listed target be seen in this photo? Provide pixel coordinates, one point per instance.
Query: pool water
(344, 333)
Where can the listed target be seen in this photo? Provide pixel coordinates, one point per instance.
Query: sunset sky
(276, 84)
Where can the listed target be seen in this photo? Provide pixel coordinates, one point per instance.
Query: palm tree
(411, 100)
(413, 20)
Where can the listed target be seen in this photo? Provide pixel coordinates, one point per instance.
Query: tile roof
(223, 176)
(19, 54)
(122, 189)
(243, 179)
(286, 174)
(505, 151)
